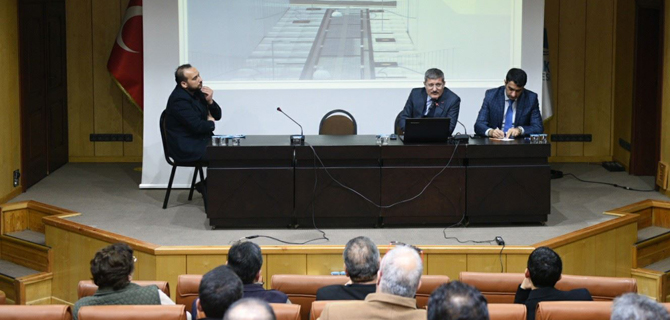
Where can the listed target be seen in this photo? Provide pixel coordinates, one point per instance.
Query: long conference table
(351, 182)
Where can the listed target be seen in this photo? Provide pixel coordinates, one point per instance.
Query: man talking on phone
(189, 118)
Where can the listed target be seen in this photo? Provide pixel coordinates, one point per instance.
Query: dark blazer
(448, 106)
(186, 125)
(345, 292)
(532, 297)
(256, 290)
(493, 111)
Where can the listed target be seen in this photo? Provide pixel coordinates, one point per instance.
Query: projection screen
(312, 56)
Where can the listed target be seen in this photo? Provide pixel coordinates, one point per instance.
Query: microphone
(296, 140)
(462, 137)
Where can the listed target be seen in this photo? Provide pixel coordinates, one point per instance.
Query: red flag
(126, 63)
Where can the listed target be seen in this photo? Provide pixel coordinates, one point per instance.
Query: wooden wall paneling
(59, 241)
(551, 23)
(579, 257)
(623, 79)
(486, 262)
(168, 268)
(107, 101)
(37, 289)
(516, 263)
(133, 117)
(624, 237)
(661, 217)
(35, 220)
(10, 142)
(571, 64)
(599, 64)
(7, 286)
(646, 218)
(665, 100)
(79, 77)
(145, 267)
(649, 283)
(30, 256)
(324, 264)
(201, 264)
(605, 251)
(14, 220)
(286, 264)
(449, 265)
(264, 272)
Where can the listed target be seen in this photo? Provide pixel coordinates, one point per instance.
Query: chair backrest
(88, 288)
(3, 298)
(42, 312)
(187, 289)
(501, 287)
(301, 289)
(574, 310)
(338, 122)
(507, 311)
(161, 125)
(284, 311)
(133, 312)
(317, 308)
(428, 284)
(396, 124)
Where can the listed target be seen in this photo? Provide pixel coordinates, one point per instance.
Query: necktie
(509, 117)
(431, 110)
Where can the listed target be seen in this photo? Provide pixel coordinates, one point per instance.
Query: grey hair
(250, 309)
(361, 257)
(433, 73)
(631, 306)
(401, 271)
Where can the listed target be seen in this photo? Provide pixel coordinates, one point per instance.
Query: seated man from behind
(631, 306)
(250, 309)
(457, 301)
(218, 289)
(361, 263)
(112, 270)
(398, 278)
(543, 270)
(246, 260)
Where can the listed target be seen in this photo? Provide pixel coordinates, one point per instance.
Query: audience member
(398, 278)
(457, 301)
(250, 309)
(543, 271)
(246, 260)
(631, 306)
(361, 263)
(218, 289)
(112, 270)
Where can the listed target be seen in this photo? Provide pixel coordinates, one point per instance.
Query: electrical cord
(609, 184)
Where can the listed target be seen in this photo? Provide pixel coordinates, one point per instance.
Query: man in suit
(398, 278)
(189, 117)
(361, 263)
(434, 100)
(511, 110)
(457, 301)
(543, 271)
(632, 306)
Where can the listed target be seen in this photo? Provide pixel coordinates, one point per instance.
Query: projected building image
(275, 40)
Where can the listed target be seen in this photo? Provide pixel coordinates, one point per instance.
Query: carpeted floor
(108, 197)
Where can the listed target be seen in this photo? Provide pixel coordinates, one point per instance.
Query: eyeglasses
(134, 259)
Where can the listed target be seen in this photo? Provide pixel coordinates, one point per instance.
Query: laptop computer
(418, 130)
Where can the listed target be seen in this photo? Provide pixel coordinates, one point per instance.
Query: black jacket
(187, 129)
(346, 292)
(532, 297)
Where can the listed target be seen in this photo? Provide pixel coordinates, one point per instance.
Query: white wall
(252, 111)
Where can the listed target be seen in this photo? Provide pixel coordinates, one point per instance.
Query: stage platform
(92, 205)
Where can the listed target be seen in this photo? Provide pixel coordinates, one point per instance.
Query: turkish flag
(126, 63)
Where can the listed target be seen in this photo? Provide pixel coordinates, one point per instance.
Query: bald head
(250, 309)
(400, 272)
